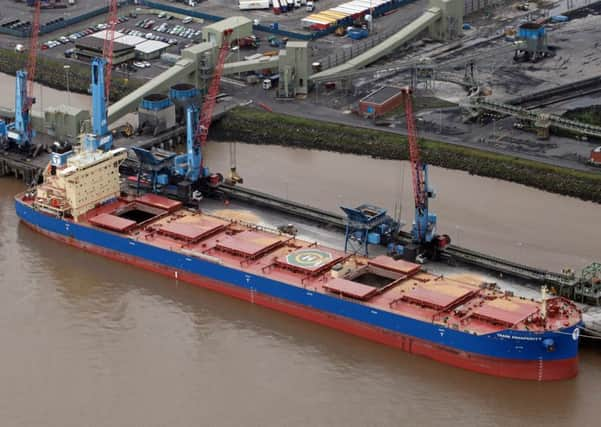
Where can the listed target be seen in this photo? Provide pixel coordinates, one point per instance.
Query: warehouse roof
(67, 109)
(94, 43)
(382, 95)
(131, 40)
(151, 46)
(103, 34)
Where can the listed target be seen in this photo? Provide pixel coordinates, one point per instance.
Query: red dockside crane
(33, 52)
(426, 242)
(206, 114)
(107, 48)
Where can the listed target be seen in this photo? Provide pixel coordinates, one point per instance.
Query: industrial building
(150, 49)
(380, 102)
(65, 122)
(241, 27)
(91, 47)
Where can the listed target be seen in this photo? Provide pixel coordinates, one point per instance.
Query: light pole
(67, 68)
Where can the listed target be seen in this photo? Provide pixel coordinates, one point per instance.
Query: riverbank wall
(260, 127)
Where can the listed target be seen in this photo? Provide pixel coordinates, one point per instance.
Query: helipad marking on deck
(309, 258)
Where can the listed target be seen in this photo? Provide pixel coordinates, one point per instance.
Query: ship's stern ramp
(443, 19)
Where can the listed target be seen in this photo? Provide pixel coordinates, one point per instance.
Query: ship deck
(464, 302)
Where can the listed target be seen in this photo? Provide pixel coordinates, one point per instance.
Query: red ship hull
(516, 369)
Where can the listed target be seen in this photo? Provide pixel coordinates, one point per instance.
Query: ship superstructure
(76, 183)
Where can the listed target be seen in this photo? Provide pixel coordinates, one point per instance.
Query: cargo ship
(460, 320)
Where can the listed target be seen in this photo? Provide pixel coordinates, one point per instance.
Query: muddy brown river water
(90, 342)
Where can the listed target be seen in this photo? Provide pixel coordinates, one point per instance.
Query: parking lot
(177, 31)
(180, 31)
(21, 14)
(166, 28)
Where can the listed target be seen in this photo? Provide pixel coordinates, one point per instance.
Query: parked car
(186, 20)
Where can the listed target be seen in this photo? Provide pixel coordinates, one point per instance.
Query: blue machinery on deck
(368, 224)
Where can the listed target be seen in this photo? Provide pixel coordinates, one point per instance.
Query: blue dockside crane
(19, 134)
(20, 131)
(100, 138)
(189, 164)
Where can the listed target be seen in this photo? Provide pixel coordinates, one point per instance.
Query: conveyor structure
(542, 121)
(443, 19)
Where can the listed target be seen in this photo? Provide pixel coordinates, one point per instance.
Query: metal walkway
(551, 120)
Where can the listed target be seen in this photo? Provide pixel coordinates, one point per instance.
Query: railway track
(558, 94)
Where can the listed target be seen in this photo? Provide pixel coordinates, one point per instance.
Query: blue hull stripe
(506, 344)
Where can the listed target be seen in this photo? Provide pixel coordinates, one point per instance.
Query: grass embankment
(50, 72)
(589, 115)
(259, 127)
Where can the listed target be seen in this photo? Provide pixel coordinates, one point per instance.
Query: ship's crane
(109, 42)
(19, 133)
(425, 242)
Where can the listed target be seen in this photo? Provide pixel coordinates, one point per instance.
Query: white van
(310, 6)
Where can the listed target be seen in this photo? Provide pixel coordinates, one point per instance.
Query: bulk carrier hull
(506, 353)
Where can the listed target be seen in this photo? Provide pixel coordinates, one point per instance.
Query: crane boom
(206, 114)
(425, 240)
(33, 54)
(417, 171)
(424, 223)
(109, 42)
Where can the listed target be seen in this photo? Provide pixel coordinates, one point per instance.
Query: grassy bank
(50, 72)
(589, 115)
(259, 127)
